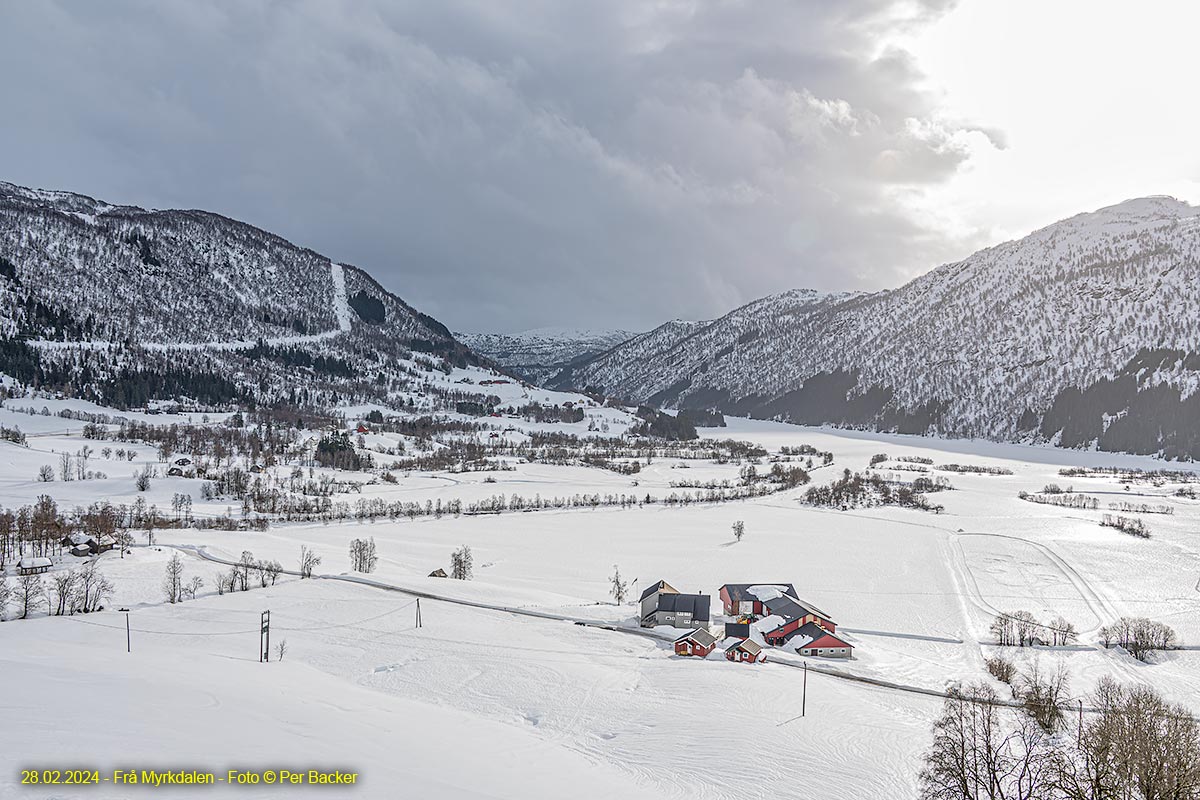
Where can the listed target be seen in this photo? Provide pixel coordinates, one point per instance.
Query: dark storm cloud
(504, 165)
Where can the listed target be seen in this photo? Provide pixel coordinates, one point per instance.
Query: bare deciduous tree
(173, 580)
(461, 563)
(31, 589)
(1004, 630)
(92, 589)
(244, 565)
(977, 755)
(273, 570)
(63, 583)
(1062, 631)
(362, 555)
(1136, 746)
(309, 561)
(1001, 669)
(193, 586)
(1043, 695)
(5, 595)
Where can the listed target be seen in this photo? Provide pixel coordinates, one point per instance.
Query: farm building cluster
(754, 616)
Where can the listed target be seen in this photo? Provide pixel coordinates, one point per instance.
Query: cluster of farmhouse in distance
(755, 616)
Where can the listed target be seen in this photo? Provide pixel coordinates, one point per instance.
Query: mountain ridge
(91, 292)
(977, 347)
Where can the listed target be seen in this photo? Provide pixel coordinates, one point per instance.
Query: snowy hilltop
(122, 305)
(1086, 332)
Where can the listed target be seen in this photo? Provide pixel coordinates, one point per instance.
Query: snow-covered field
(481, 702)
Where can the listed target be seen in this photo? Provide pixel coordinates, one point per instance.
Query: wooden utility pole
(804, 692)
(418, 612)
(128, 641)
(264, 637)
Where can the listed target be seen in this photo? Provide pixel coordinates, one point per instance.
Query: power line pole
(128, 641)
(264, 637)
(418, 612)
(804, 692)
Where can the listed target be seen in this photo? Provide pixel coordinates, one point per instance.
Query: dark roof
(740, 629)
(791, 608)
(810, 629)
(701, 636)
(656, 586)
(700, 605)
(740, 591)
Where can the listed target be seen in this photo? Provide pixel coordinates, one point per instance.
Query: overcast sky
(610, 163)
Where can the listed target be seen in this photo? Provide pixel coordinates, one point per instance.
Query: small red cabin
(697, 643)
(746, 651)
(362, 429)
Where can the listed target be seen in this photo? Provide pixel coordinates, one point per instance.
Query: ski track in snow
(341, 304)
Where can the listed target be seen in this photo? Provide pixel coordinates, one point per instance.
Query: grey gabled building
(662, 604)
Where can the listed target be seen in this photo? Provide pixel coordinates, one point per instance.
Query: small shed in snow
(438, 573)
(33, 565)
(698, 643)
(745, 650)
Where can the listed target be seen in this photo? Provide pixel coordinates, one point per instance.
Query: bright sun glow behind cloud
(1091, 103)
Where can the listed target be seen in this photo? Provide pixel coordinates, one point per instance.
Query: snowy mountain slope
(539, 353)
(1090, 320)
(90, 291)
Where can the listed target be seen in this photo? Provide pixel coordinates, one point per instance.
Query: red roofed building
(827, 646)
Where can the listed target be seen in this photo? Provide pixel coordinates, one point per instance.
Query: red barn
(738, 600)
(697, 643)
(362, 429)
(797, 616)
(744, 651)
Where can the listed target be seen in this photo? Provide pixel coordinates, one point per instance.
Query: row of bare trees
(1022, 629)
(1132, 745)
(238, 579)
(1139, 636)
(68, 591)
(362, 555)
